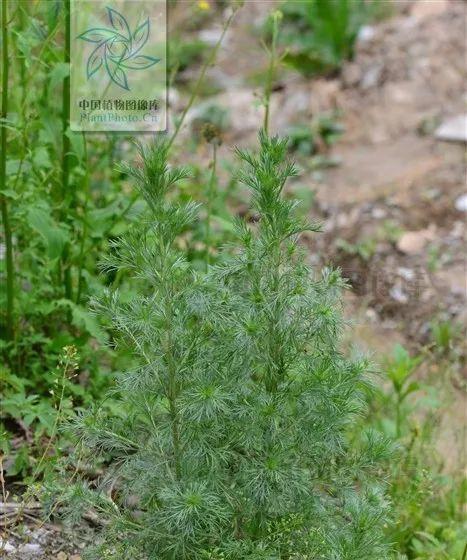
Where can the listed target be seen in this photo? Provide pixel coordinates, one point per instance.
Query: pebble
(210, 36)
(406, 273)
(366, 33)
(461, 203)
(413, 242)
(351, 74)
(371, 77)
(64, 556)
(378, 213)
(398, 295)
(31, 550)
(423, 9)
(371, 314)
(453, 130)
(6, 546)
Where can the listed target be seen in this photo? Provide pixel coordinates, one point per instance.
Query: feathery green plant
(231, 441)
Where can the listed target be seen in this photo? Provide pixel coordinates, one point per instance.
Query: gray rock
(461, 203)
(398, 295)
(366, 33)
(406, 273)
(453, 130)
(413, 242)
(210, 36)
(351, 74)
(372, 77)
(30, 550)
(6, 546)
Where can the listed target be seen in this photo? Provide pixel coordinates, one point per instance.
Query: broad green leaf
(54, 236)
(411, 388)
(88, 322)
(60, 71)
(10, 193)
(41, 158)
(12, 166)
(50, 128)
(77, 144)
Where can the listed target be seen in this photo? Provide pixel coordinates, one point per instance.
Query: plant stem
(67, 199)
(209, 61)
(10, 287)
(85, 222)
(398, 418)
(173, 393)
(276, 16)
(70, 354)
(212, 182)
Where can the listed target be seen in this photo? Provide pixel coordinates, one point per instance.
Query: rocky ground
(399, 191)
(394, 208)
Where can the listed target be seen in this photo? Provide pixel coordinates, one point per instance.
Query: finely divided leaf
(53, 234)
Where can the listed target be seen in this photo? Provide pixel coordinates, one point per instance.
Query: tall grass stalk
(273, 61)
(67, 199)
(212, 183)
(67, 367)
(209, 62)
(84, 233)
(10, 287)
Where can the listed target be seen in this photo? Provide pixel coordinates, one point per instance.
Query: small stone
(371, 314)
(62, 555)
(31, 550)
(461, 203)
(371, 77)
(75, 557)
(173, 97)
(406, 273)
(378, 213)
(40, 535)
(210, 36)
(366, 33)
(458, 229)
(6, 546)
(413, 242)
(453, 130)
(397, 294)
(351, 74)
(422, 9)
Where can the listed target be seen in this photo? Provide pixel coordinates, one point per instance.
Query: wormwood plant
(231, 439)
